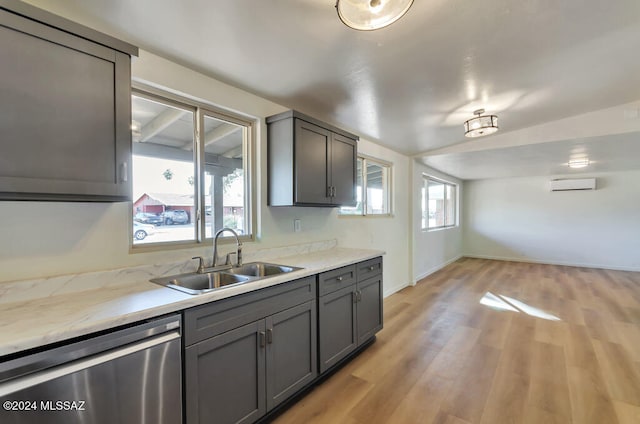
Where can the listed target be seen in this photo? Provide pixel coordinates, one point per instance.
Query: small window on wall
(373, 188)
(188, 184)
(439, 204)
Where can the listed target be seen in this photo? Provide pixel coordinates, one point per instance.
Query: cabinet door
(369, 310)
(225, 377)
(311, 161)
(343, 170)
(337, 326)
(65, 115)
(291, 352)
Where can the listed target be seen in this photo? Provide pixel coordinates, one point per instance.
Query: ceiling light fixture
(578, 163)
(367, 15)
(480, 125)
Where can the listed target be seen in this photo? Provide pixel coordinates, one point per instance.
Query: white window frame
(199, 110)
(388, 194)
(425, 203)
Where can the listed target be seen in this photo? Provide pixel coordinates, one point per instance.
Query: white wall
(520, 219)
(433, 249)
(53, 238)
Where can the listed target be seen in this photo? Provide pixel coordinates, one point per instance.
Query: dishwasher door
(131, 376)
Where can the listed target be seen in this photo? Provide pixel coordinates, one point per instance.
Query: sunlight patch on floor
(505, 303)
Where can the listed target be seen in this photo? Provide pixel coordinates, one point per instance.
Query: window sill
(176, 245)
(429, 230)
(387, 215)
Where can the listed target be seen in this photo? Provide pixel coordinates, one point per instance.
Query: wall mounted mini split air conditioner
(573, 184)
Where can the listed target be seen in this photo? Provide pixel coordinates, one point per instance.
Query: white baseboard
(435, 268)
(394, 289)
(552, 262)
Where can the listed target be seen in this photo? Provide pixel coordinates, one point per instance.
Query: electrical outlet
(297, 225)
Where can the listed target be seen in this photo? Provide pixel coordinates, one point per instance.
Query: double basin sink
(217, 278)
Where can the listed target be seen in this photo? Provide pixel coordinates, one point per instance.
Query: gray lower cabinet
(65, 109)
(349, 309)
(337, 325)
(241, 373)
(369, 308)
(225, 377)
(291, 352)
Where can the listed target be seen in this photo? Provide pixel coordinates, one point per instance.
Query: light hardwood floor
(555, 344)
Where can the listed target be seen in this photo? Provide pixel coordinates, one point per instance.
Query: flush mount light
(481, 124)
(367, 15)
(578, 163)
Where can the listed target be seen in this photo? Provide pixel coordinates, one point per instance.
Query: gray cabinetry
(369, 308)
(337, 326)
(247, 354)
(310, 163)
(65, 109)
(349, 309)
(291, 352)
(225, 377)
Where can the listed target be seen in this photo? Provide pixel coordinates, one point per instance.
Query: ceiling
(409, 86)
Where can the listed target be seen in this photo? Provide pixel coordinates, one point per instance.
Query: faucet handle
(200, 264)
(228, 259)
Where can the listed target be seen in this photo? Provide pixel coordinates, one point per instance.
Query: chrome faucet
(238, 251)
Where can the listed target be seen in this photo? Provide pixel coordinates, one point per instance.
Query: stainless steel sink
(194, 283)
(217, 278)
(261, 269)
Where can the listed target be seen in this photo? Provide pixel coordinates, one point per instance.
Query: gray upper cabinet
(65, 109)
(310, 163)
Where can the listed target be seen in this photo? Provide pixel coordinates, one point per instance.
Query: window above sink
(191, 169)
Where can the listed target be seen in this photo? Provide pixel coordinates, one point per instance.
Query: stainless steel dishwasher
(129, 376)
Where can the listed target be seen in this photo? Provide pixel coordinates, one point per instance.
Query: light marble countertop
(52, 310)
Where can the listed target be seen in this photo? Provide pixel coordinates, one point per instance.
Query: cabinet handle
(334, 191)
(262, 338)
(359, 295)
(354, 295)
(124, 175)
(329, 191)
(270, 335)
(339, 278)
(371, 268)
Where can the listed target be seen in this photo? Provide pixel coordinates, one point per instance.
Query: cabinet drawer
(368, 269)
(220, 316)
(336, 279)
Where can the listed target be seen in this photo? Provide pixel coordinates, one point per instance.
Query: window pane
(163, 172)
(436, 204)
(225, 182)
(425, 212)
(357, 209)
(377, 188)
(450, 205)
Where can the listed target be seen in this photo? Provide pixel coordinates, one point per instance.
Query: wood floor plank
(627, 414)
(534, 415)
(446, 358)
(629, 338)
(619, 372)
(468, 395)
(590, 401)
(422, 403)
(548, 387)
(330, 402)
(507, 399)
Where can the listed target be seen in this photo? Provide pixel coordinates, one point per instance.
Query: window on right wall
(439, 203)
(373, 189)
